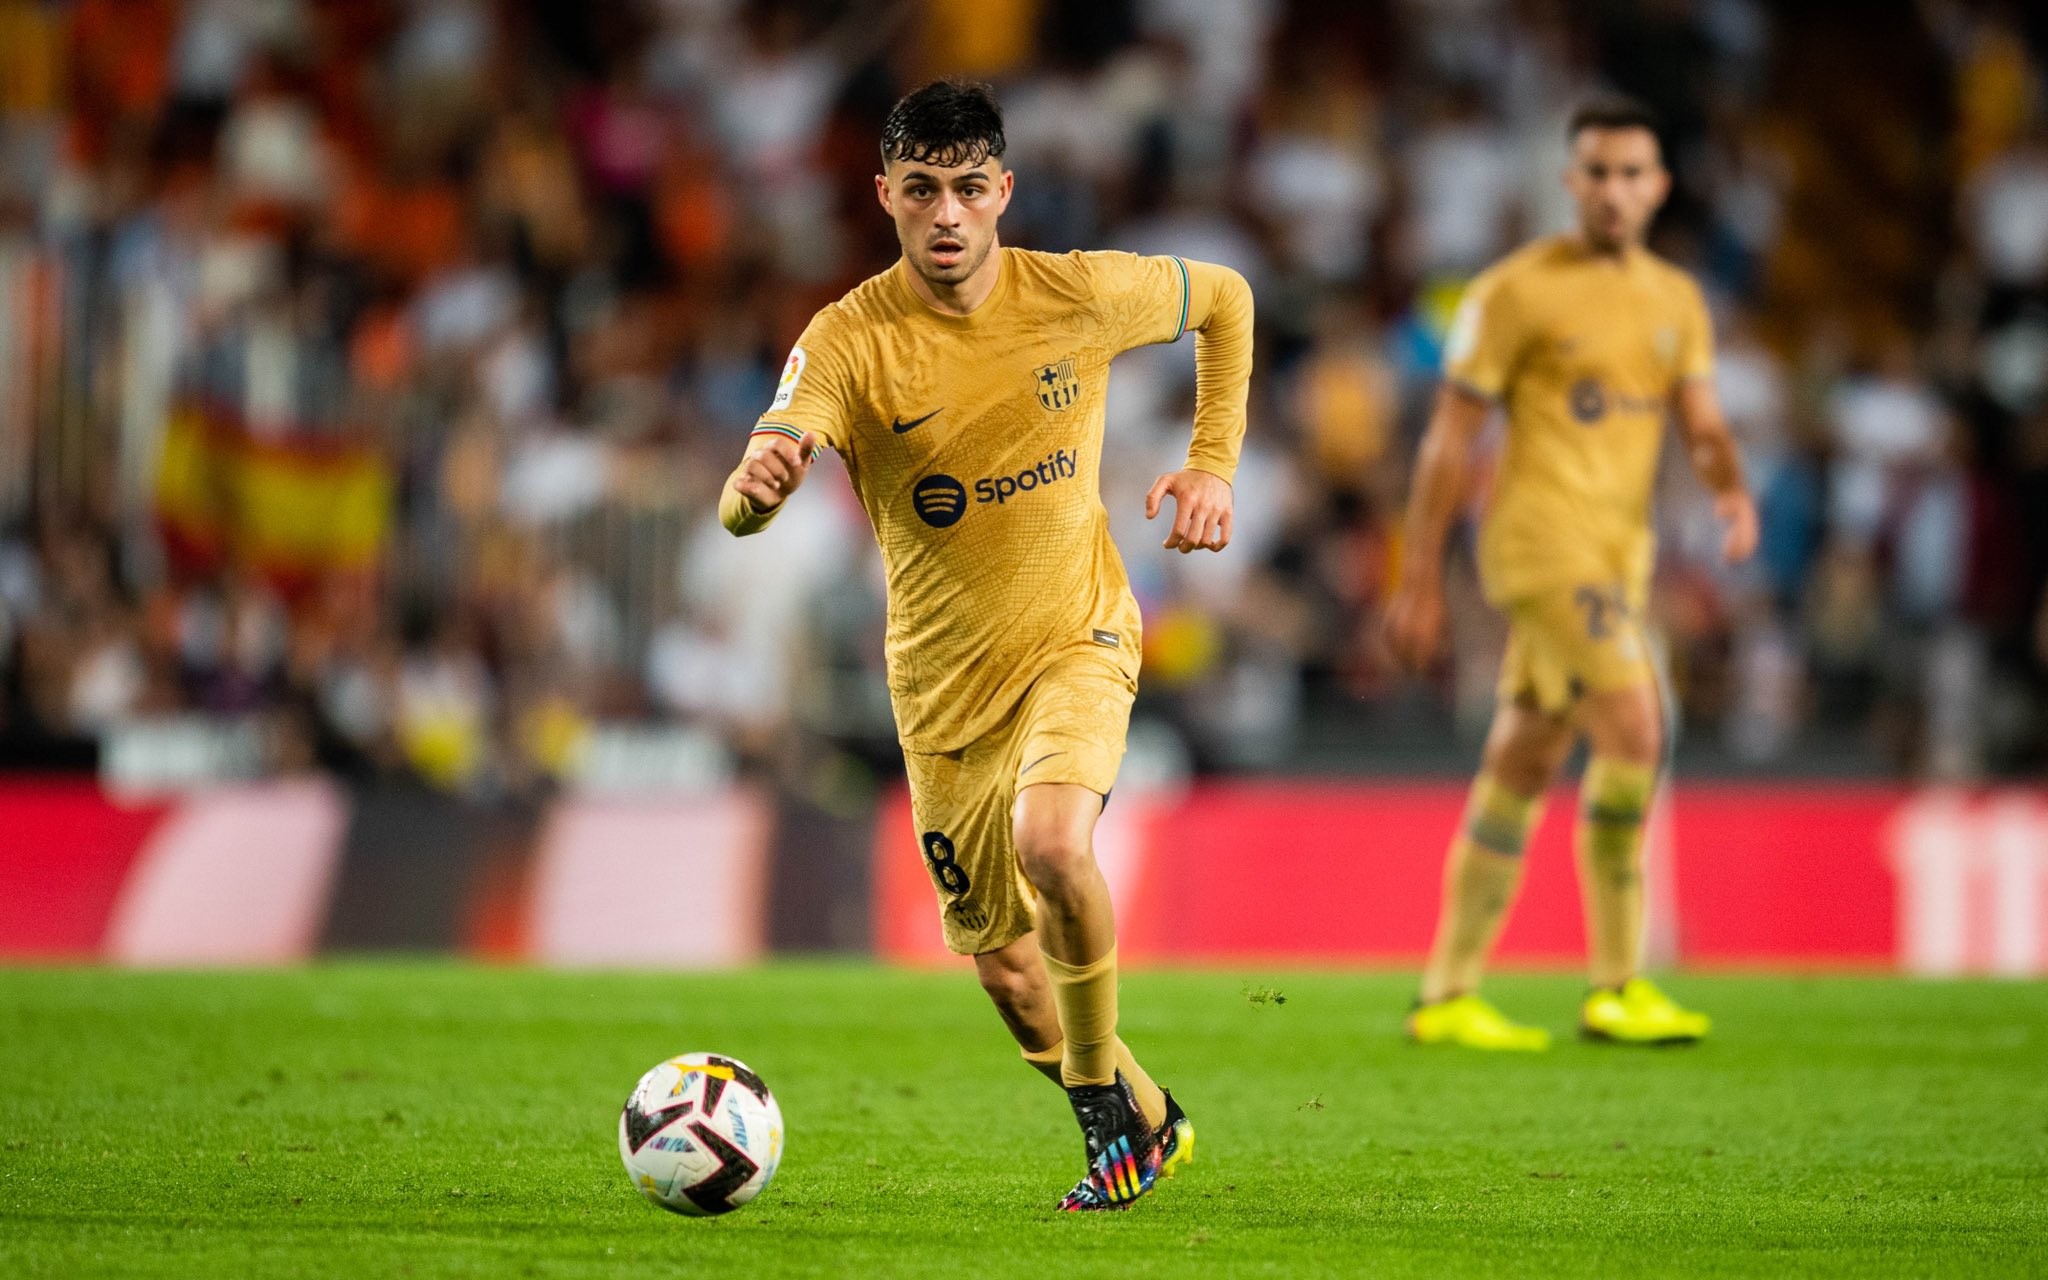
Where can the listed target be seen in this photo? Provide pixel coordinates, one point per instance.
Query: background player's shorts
(1070, 727)
(1572, 641)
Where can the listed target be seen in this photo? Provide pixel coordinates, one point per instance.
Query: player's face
(1618, 180)
(945, 217)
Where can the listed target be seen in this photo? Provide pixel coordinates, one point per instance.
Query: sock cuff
(1617, 792)
(1498, 820)
(1060, 971)
(1045, 1057)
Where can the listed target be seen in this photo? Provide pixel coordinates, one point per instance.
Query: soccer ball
(701, 1134)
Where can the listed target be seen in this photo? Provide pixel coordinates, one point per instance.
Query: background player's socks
(1085, 995)
(1151, 1098)
(1614, 805)
(1480, 877)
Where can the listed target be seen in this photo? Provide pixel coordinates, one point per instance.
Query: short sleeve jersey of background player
(974, 442)
(1584, 353)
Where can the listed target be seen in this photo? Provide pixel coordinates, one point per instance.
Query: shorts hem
(982, 945)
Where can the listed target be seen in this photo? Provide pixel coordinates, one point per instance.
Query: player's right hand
(774, 470)
(1415, 624)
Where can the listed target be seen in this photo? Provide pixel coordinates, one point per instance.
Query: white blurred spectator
(1461, 173)
(462, 308)
(107, 680)
(273, 149)
(1882, 421)
(1320, 192)
(2005, 210)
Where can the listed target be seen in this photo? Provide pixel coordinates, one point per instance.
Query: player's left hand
(1201, 510)
(1738, 513)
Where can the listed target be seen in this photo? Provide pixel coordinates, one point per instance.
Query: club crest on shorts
(1058, 385)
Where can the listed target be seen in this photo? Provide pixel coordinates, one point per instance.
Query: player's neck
(1620, 253)
(964, 298)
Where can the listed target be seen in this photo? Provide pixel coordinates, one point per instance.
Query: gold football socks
(1085, 996)
(1481, 874)
(1614, 806)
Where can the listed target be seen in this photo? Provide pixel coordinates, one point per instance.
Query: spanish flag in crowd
(293, 510)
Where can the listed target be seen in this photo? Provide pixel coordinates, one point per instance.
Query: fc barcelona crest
(1058, 385)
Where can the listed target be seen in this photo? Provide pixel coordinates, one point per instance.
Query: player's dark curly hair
(945, 123)
(1612, 111)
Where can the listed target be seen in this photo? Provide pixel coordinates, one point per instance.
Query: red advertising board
(65, 852)
(1794, 875)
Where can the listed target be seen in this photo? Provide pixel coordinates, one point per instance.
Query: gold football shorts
(1573, 641)
(1070, 727)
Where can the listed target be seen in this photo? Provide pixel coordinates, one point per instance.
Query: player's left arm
(1716, 460)
(1216, 304)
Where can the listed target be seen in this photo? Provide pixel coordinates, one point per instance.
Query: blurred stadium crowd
(368, 368)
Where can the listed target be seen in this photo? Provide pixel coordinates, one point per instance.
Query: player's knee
(1638, 739)
(1524, 756)
(1628, 726)
(1521, 774)
(1056, 859)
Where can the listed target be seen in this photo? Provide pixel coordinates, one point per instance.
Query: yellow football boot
(1472, 1022)
(1638, 1013)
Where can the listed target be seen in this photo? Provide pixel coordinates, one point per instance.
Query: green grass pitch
(432, 1119)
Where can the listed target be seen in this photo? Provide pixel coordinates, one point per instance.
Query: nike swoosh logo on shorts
(1041, 760)
(899, 426)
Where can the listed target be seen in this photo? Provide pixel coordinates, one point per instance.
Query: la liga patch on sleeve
(792, 373)
(1463, 337)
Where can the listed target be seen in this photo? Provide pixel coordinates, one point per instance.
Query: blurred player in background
(1587, 340)
(964, 389)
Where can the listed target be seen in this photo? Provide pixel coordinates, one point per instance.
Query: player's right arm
(1480, 355)
(773, 468)
(808, 413)
(1709, 444)
(1415, 616)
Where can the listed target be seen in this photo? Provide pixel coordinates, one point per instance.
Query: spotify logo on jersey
(1589, 401)
(940, 501)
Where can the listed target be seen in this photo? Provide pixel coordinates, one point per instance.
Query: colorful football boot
(1474, 1023)
(1176, 1138)
(1636, 1012)
(1124, 1155)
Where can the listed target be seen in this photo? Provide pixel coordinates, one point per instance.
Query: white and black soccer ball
(701, 1134)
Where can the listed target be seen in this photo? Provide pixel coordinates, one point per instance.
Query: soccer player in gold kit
(964, 388)
(1587, 340)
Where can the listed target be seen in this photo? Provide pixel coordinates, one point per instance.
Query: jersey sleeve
(1145, 300)
(813, 393)
(1695, 337)
(1486, 339)
(811, 398)
(1148, 300)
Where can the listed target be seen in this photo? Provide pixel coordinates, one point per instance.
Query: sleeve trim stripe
(1473, 389)
(1180, 330)
(783, 429)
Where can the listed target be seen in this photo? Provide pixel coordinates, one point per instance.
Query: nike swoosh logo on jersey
(899, 426)
(1041, 760)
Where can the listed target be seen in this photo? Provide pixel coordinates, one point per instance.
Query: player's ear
(1004, 186)
(882, 193)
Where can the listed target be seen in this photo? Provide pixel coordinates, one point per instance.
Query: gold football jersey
(974, 443)
(1584, 352)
